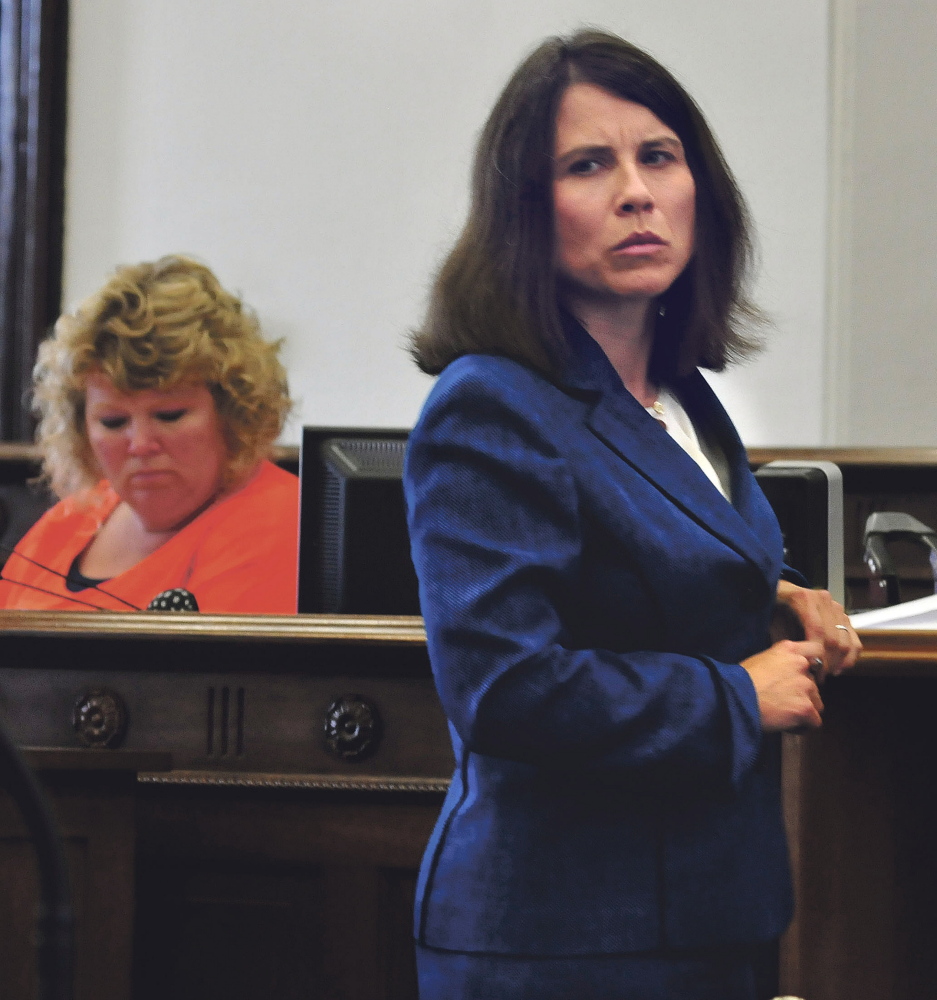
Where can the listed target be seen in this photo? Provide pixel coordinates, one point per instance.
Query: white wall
(316, 154)
(884, 320)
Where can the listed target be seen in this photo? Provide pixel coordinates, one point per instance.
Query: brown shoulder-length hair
(496, 293)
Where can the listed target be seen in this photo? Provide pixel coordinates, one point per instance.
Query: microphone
(177, 599)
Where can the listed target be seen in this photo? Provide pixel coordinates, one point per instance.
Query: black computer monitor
(354, 550)
(807, 499)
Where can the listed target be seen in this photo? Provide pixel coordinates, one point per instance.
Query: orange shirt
(240, 555)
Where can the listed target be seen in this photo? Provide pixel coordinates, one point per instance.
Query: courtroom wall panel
(287, 894)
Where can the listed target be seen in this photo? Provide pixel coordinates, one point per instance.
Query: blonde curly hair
(155, 326)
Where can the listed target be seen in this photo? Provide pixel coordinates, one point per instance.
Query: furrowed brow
(583, 152)
(670, 141)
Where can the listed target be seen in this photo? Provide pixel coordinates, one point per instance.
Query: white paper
(919, 614)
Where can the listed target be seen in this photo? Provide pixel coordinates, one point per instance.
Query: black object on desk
(880, 529)
(354, 550)
(807, 499)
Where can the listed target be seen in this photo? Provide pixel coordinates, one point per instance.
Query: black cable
(51, 593)
(63, 576)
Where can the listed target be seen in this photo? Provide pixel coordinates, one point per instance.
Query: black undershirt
(77, 581)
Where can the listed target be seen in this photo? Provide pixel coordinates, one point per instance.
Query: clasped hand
(787, 675)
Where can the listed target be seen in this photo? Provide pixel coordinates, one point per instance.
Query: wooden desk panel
(247, 893)
(232, 695)
(283, 871)
(92, 796)
(861, 807)
(265, 865)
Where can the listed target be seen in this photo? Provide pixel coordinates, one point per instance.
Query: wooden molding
(362, 630)
(33, 50)
(878, 457)
(316, 782)
(887, 651)
(285, 453)
(898, 653)
(20, 451)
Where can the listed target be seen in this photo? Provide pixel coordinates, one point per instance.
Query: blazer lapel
(624, 426)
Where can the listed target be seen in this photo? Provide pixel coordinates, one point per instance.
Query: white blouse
(668, 411)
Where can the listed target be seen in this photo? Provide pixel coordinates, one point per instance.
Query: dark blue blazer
(588, 595)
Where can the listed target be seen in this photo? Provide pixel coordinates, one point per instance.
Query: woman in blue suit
(598, 568)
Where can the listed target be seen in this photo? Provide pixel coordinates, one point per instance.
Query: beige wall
(316, 154)
(883, 318)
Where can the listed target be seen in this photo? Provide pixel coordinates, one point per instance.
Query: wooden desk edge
(885, 651)
(897, 653)
(422, 784)
(358, 629)
(27, 451)
(879, 457)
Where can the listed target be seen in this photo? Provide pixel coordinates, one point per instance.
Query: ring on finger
(844, 628)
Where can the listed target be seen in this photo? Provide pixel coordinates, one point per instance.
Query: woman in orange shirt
(159, 402)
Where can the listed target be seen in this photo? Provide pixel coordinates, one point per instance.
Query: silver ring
(816, 663)
(845, 628)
